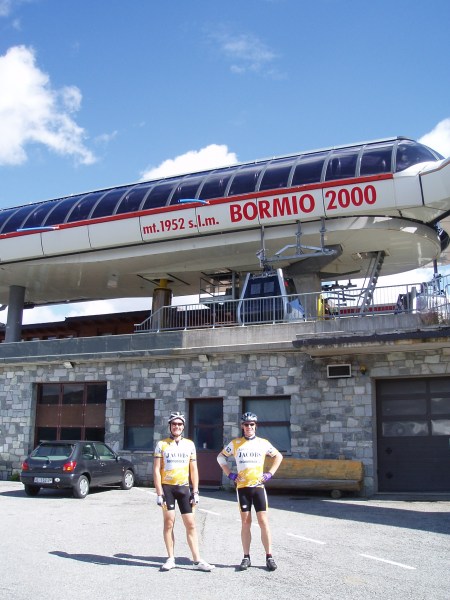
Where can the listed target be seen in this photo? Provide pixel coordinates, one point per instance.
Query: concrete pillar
(310, 285)
(13, 330)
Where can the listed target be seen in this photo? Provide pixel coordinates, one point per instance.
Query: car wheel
(32, 490)
(127, 480)
(81, 488)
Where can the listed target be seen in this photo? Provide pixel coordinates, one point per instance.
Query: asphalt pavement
(109, 546)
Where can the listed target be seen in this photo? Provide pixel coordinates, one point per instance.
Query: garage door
(413, 421)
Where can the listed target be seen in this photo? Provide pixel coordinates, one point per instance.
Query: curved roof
(370, 158)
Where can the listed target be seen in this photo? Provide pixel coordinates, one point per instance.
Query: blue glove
(232, 476)
(266, 477)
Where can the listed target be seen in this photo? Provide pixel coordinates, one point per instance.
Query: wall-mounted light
(362, 369)
(68, 364)
(203, 358)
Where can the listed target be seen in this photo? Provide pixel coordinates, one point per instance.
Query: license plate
(43, 480)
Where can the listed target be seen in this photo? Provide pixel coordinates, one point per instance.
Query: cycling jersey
(175, 459)
(249, 456)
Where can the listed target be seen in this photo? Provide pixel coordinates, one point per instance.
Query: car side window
(104, 452)
(88, 452)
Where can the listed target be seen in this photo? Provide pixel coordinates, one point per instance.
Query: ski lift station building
(291, 322)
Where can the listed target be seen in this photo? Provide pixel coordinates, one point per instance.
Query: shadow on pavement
(363, 510)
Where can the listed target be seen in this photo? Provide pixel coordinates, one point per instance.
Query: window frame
(266, 424)
(133, 409)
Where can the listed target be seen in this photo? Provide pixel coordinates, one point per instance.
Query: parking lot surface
(110, 546)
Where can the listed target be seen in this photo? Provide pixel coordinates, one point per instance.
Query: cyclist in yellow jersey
(249, 452)
(175, 461)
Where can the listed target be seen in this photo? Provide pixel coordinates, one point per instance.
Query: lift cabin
(268, 297)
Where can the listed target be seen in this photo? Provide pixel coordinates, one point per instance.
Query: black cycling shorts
(179, 494)
(252, 496)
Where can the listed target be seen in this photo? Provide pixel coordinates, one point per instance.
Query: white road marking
(210, 512)
(302, 537)
(390, 562)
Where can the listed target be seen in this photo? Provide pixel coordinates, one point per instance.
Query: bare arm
(157, 475)
(276, 462)
(193, 471)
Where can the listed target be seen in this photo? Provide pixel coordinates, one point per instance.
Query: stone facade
(330, 418)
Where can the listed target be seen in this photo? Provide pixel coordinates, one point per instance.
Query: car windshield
(54, 451)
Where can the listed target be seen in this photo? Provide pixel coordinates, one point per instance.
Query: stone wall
(330, 418)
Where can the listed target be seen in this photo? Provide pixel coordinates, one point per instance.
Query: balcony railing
(337, 302)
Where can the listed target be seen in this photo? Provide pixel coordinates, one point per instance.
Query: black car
(79, 465)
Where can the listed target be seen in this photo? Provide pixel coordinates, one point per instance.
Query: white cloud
(439, 138)
(246, 53)
(32, 112)
(5, 7)
(210, 157)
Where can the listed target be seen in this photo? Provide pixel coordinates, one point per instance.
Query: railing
(429, 299)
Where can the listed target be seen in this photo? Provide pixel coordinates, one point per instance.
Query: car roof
(64, 442)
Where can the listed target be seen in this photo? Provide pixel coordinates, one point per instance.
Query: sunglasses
(177, 424)
(249, 424)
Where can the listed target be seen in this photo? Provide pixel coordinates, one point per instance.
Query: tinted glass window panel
(57, 450)
(82, 209)
(96, 434)
(104, 452)
(107, 204)
(404, 428)
(70, 433)
(376, 159)
(49, 394)
(133, 199)
(4, 216)
(309, 169)
(278, 435)
(17, 218)
(255, 290)
(273, 420)
(159, 195)
(440, 427)
(342, 164)
(46, 433)
(277, 174)
(269, 288)
(269, 410)
(245, 180)
(402, 387)
(96, 393)
(59, 213)
(138, 438)
(440, 386)
(216, 184)
(73, 393)
(187, 189)
(440, 406)
(411, 153)
(411, 406)
(37, 217)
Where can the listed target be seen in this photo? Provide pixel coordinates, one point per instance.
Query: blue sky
(99, 93)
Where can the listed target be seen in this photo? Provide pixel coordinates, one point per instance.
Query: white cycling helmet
(176, 415)
(249, 416)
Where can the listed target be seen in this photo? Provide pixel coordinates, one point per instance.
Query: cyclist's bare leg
(266, 536)
(191, 535)
(246, 534)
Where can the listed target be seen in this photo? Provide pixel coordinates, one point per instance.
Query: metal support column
(13, 330)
